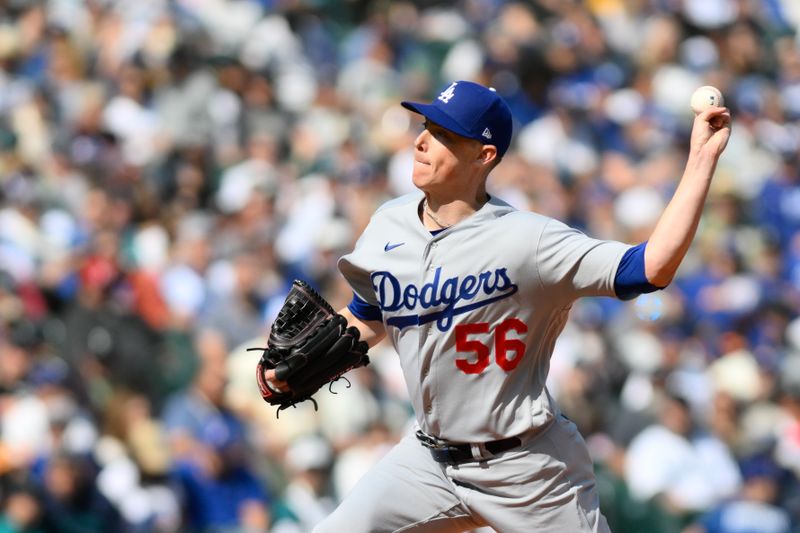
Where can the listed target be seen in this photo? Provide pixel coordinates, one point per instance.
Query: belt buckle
(441, 451)
(430, 442)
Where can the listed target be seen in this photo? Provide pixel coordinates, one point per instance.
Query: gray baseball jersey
(475, 310)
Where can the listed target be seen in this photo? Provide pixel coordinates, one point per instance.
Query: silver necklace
(432, 216)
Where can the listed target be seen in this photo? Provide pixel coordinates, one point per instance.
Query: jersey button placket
(425, 370)
(431, 256)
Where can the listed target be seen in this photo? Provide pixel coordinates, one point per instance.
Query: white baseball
(705, 97)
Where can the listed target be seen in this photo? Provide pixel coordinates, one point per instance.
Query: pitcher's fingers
(273, 382)
(718, 117)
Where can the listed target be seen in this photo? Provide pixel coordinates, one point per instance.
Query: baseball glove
(309, 346)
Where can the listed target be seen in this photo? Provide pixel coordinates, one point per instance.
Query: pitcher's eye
(437, 131)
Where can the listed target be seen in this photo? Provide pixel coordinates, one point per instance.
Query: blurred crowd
(167, 167)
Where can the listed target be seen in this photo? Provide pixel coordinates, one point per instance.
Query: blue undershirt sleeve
(630, 280)
(363, 310)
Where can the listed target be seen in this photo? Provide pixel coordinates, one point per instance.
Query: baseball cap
(470, 110)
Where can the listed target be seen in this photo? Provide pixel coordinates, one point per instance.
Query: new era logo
(486, 133)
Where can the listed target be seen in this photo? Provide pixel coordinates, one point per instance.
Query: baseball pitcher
(473, 293)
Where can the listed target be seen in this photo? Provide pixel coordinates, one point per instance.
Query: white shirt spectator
(693, 473)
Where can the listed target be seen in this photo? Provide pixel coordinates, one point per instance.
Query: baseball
(705, 97)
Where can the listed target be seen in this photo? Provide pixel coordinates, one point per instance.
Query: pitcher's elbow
(660, 277)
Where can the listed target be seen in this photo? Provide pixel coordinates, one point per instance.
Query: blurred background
(167, 167)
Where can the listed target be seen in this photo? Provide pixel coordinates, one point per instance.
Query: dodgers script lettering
(441, 293)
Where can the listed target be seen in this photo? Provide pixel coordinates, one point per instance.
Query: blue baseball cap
(470, 110)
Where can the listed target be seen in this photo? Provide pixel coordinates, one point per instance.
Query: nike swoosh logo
(392, 246)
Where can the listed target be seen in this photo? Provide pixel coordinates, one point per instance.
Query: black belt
(452, 453)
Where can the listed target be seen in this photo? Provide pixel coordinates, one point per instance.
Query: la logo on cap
(476, 112)
(448, 93)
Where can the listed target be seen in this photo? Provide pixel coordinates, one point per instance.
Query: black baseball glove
(309, 346)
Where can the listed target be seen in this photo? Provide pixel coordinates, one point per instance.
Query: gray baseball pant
(547, 485)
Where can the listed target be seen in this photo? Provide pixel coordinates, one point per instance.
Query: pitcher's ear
(487, 154)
